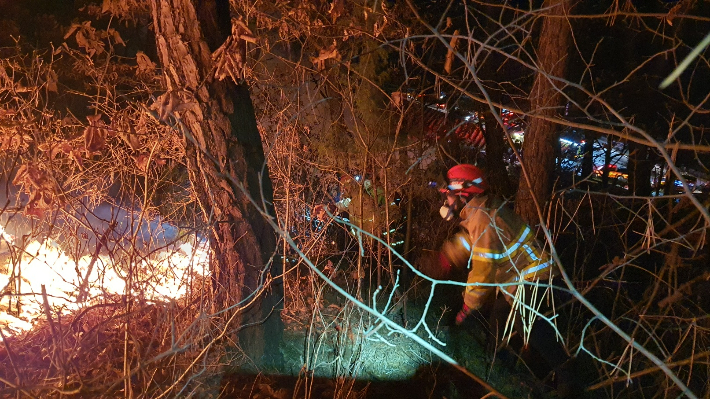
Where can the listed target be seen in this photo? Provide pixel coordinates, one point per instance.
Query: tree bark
(538, 148)
(496, 172)
(588, 155)
(639, 170)
(607, 161)
(224, 144)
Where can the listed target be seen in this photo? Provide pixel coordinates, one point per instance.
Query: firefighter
(496, 247)
(370, 213)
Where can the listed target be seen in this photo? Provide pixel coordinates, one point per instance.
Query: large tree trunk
(539, 145)
(496, 172)
(639, 170)
(588, 155)
(222, 142)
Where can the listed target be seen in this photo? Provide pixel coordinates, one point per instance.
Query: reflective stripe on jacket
(497, 247)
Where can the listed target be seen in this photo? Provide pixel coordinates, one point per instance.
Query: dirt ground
(326, 355)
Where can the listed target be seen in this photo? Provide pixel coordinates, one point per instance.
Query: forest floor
(328, 354)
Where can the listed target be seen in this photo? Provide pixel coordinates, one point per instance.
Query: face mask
(446, 212)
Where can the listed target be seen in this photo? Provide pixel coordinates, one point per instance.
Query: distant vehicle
(619, 174)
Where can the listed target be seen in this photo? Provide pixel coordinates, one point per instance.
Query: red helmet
(471, 176)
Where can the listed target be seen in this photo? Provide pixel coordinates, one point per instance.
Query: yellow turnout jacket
(497, 247)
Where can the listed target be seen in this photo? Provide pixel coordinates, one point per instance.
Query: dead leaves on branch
(94, 135)
(95, 142)
(91, 39)
(173, 101)
(58, 155)
(13, 135)
(15, 141)
(13, 82)
(97, 133)
(124, 9)
(127, 132)
(44, 139)
(65, 148)
(42, 189)
(230, 58)
(337, 8)
(144, 160)
(86, 38)
(52, 81)
(328, 53)
(145, 65)
(92, 142)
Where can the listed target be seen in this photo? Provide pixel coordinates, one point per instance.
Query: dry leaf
(106, 6)
(73, 28)
(131, 138)
(330, 52)
(37, 205)
(378, 29)
(64, 148)
(94, 140)
(67, 148)
(94, 135)
(170, 102)
(41, 188)
(337, 8)
(31, 209)
(142, 162)
(450, 54)
(82, 41)
(117, 8)
(397, 99)
(116, 36)
(52, 81)
(85, 36)
(230, 57)
(15, 141)
(145, 65)
(93, 119)
(76, 156)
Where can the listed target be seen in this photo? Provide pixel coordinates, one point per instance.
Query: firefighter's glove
(463, 314)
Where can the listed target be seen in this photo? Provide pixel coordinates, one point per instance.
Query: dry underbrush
(104, 349)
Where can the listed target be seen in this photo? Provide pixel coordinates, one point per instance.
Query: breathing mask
(446, 212)
(451, 208)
